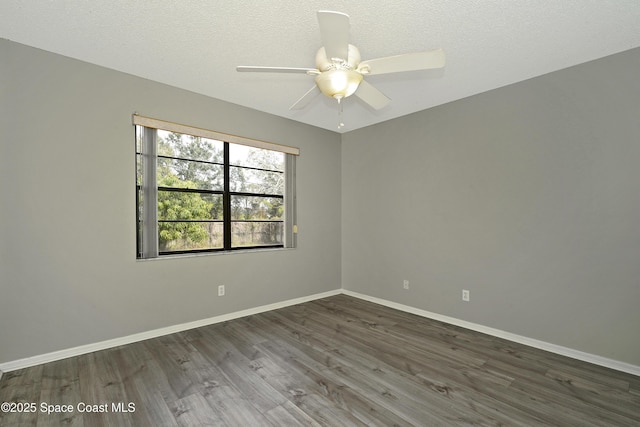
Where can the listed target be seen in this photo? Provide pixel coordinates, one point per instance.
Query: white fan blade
(334, 29)
(371, 95)
(306, 98)
(408, 62)
(249, 68)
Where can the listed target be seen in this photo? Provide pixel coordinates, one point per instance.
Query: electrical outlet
(405, 284)
(221, 290)
(465, 295)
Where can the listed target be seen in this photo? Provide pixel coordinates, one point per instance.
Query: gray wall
(68, 271)
(528, 196)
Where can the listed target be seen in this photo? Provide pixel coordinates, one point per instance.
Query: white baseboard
(542, 345)
(103, 345)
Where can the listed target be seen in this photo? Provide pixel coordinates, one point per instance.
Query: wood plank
(146, 387)
(194, 410)
(186, 371)
(238, 371)
(290, 415)
(22, 386)
(60, 386)
(101, 384)
(235, 408)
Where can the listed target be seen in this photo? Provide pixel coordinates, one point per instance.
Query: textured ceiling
(196, 44)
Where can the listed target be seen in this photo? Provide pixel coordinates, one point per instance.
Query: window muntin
(204, 203)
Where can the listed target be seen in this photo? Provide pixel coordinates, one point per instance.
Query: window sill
(216, 253)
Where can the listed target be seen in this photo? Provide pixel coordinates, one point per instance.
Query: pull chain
(340, 122)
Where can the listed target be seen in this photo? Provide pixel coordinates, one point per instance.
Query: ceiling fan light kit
(339, 72)
(337, 77)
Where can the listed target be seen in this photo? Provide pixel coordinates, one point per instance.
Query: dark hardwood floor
(338, 361)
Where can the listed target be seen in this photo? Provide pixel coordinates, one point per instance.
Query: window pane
(177, 205)
(241, 155)
(245, 180)
(183, 236)
(189, 174)
(263, 233)
(256, 208)
(173, 144)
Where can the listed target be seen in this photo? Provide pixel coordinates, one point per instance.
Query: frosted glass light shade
(338, 83)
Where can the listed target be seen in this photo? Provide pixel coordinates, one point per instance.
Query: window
(203, 191)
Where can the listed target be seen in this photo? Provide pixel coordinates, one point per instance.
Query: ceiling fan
(339, 70)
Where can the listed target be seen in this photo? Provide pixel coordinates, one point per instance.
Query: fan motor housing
(349, 63)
